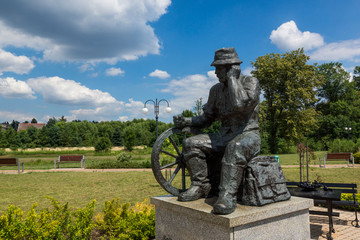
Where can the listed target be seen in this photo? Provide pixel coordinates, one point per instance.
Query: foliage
(356, 157)
(342, 145)
(288, 84)
(198, 108)
(129, 138)
(349, 197)
(121, 221)
(59, 222)
(124, 157)
(103, 145)
(109, 164)
(116, 221)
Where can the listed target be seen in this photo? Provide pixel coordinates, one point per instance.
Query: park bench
(70, 158)
(338, 156)
(345, 188)
(12, 162)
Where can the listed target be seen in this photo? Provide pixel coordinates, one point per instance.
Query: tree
(335, 80)
(356, 78)
(288, 84)
(103, 144)
(187, 113)
(129, 138)
(198, 108)
(34, 120)
(117, 137)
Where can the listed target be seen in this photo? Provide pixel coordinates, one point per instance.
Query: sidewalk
(319, 225)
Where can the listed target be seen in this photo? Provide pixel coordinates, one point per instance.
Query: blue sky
(102, 59)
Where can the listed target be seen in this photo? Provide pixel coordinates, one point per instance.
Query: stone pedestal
(193, 220)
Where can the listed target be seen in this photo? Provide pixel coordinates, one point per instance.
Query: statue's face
(221, 73)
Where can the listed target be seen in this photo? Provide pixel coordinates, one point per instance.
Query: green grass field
(76, 188)
(79, 188)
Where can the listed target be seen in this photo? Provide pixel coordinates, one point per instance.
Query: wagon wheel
(167, 160)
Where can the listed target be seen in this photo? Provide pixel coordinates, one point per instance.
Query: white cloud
(289, 37)
(96, 30)
(189, 89)
(337, 51)
(12, 88)
(68, 92)
(6, 116)
(159, 74)
(103, 113)
(15, 64)
(123, 118)
(114, 72)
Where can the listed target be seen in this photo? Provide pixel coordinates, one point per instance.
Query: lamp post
(156, 110)
(348, 130)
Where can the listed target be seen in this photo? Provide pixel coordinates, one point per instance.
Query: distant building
(24, 126)
(4, 126)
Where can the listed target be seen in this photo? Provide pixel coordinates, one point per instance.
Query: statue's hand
(180, 121)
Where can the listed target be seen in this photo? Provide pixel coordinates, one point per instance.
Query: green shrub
(117, 221)
(356, 157)
(121, 221)
(342, 145)
(124, 157)
(103, 145)
(108, 164)
(59, 222)
(349, 197)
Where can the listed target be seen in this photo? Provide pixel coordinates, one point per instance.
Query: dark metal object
(156, 110)
(329, 195)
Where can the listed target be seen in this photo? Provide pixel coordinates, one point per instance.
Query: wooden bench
(345, 188)
(12, 162)
(338, 156)
(70, 158)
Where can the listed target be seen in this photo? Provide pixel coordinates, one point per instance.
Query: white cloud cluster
(114, 72)
(159, 74)
(9, 116)
(189, 89)
(16, 64)
(82, 30)
(289, 37)
(337, 51)
(68, 92)
(12, 88)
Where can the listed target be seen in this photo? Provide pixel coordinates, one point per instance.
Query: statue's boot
(231, 178)
(200, 185)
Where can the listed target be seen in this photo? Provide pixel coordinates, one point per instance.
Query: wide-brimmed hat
(225, 56)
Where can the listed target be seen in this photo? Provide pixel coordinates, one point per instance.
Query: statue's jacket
(235, 104)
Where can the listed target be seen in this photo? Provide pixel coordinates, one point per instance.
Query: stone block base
(193, 220)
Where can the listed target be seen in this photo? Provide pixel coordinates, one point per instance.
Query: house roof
(24, 126)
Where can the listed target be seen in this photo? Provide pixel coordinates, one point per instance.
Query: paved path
(319, 225)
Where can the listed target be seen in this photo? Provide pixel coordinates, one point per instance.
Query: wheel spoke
(169, 165)
(174, 174)
(168, 153)
(175, 146)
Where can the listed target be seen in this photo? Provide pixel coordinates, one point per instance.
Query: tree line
(301, 102)
(60, 133)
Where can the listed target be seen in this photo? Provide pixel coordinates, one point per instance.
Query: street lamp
(348, 130)
(156, 110)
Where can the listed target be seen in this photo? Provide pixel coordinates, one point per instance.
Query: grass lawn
(77, 188)
(330, 175)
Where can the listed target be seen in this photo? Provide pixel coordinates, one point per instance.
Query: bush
(124, 157)
(342, 145)
(349, 197)
(56, 223)
(356, 157)
(121, 221)
(117, 221)
(117, 164)
(103, 145)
